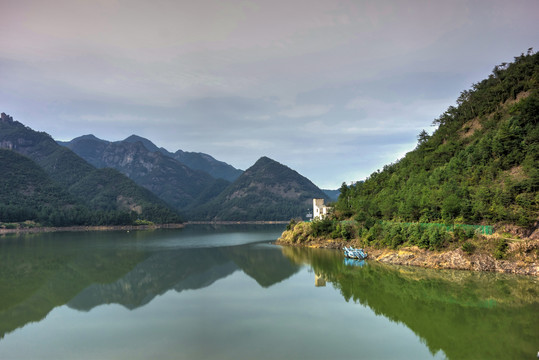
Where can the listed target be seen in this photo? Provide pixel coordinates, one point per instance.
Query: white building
(320, 211)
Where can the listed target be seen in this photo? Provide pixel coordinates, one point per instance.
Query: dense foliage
(481, 165)
(29, 194)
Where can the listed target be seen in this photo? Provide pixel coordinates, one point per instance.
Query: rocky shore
(522, 256)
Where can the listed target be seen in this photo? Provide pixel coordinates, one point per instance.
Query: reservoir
(227, 292)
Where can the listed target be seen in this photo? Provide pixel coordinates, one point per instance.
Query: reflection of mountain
(41, 272)
(160, 272)
(451, 311)
(84, 270)
(187, 269)
(264, 263)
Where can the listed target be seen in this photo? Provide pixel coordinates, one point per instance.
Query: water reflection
(186, 269)
(467, 315)
(39, 272)
(457, 313)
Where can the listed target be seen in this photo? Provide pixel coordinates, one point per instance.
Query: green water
(227, 293)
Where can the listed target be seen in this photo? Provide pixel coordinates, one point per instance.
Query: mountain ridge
(111, 197)
(195, 160)
(169, 179)
(267, 190)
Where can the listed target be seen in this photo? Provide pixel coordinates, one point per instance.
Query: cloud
(303, 111)
(242, 79)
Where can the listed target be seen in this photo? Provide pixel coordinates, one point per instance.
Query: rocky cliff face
(194, 160)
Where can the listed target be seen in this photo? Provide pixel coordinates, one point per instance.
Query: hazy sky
(333, 89)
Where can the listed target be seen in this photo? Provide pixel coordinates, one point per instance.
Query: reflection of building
(320, 211)
(319, 280)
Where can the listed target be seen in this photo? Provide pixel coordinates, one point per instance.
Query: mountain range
(71, 191)
(103, 182)
(169, 179)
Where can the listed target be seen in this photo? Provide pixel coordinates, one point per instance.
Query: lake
(226, 292)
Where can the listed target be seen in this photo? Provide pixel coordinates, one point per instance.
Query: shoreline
(260, 222)
(45, 229)
(455, 259)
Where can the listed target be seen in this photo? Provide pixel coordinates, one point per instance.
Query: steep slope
(167, 178)
(196, 161)
(101, 189)
(267, 190)
(200, 161)
(480, 166)
(28, 193)
(88, 147)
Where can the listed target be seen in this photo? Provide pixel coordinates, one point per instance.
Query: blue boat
(353, 253)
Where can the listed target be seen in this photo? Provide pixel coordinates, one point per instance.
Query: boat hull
(353, 253)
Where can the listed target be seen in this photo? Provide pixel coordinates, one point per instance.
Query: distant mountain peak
(134, 137)
(265, 160)
(147, 143)
(88, 137)
(268, 190)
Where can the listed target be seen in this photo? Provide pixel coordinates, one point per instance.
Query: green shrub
(346, 231)
(468, 247)
(500, 250)
(470, 232)
(413, 233)
(291, 224)
(424, 240)
(322, 227)
(459, 234)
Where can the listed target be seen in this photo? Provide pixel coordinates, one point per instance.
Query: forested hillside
(267, 190)
(480, 166)
(28, 193)
(106, 197)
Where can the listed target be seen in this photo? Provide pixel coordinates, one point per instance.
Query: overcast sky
(333, 89)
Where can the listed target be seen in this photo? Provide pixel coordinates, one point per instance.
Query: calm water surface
(227, 293)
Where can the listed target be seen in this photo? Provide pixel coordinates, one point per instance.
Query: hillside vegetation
(53, 186)
(481, 165)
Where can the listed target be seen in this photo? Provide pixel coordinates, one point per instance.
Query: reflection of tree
(465, 314)
(53, 270)
(41, 272)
